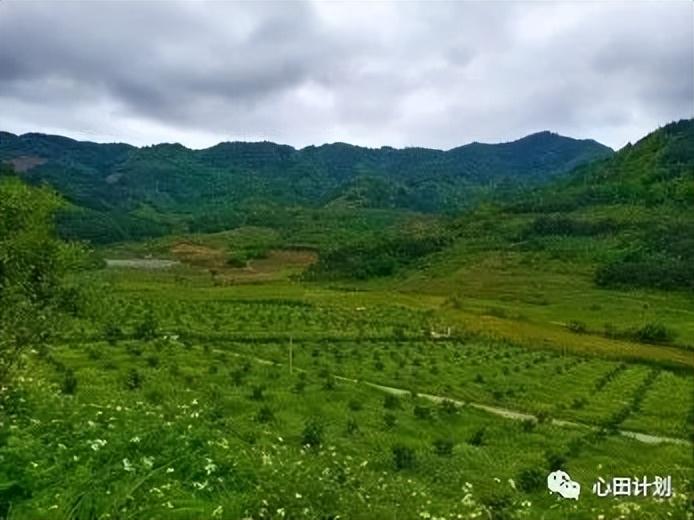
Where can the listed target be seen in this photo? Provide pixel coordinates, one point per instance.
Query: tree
(33, 265)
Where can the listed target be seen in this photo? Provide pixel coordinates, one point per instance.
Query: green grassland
(192, 411)
(356, 362)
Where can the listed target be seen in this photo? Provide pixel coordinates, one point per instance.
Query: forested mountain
(628, 217)
(634, 211)
(658, 169)
(128, 192)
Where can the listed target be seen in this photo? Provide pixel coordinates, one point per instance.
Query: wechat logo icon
(560, 482)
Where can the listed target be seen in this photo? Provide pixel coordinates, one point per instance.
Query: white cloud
(427, 74)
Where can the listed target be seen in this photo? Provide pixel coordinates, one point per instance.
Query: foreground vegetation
(188, 408)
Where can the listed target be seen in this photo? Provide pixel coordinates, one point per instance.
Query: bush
(237, 377)
(555, 460)
(389, 420)
(528, 425)
(443, 447)
(391, 402)
(299, 386)
(69, 385)
(355, 405)
(313, 434)
(147, 328)
(133, 379)
(531, 479)
(422, 412)
(653, 333)
(403, 457)
(543, 416)
(352, 426)
(448, 407)
(112, 333)
(477, 438)
(257, 393)
(577, 326)
(265, 415)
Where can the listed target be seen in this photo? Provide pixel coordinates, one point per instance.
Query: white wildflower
(127, 466)
(210, 467)
(97, 444)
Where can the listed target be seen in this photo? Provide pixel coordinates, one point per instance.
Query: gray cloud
(427, 74)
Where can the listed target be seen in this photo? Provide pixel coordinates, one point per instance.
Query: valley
(361, 360)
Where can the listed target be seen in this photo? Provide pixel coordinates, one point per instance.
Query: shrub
(352, 426)
(257, 393)
(389, 420)
(237, 377)
(313, 434)
(69, 384)
(543, 416)
(528, 425)
(653, 333)
(531, 479)
(448, 407)
(443, 447)
(422, 412)
(403, 457)
(134, 350)
(112, 333)
(391, 402)
(555, 460)
(577, 326)
(578, 403)
(355, 405)
(265, 415)
(147, 328)
(133, 379)
(477, 438)
(299, 386)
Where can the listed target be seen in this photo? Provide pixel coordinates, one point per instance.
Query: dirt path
(141, 263)
(495, 410)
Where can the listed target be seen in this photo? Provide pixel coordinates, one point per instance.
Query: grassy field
(282, 399)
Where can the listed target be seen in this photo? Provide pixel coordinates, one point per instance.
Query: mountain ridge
(7, 134)
(221, 184)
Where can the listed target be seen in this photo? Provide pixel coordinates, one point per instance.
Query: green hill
(127, 192)
(641, 200)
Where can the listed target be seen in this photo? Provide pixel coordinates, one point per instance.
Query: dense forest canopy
(121, 192)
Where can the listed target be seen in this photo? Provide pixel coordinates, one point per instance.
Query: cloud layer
(400, 74)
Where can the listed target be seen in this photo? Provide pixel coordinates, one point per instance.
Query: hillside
(128, 192)
(607, 250)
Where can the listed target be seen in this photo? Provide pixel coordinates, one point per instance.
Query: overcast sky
(400, 74)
